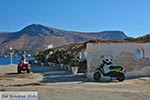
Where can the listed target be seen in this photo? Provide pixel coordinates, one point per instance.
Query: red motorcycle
(23, 67)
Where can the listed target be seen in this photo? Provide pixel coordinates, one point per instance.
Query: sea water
(15, 59)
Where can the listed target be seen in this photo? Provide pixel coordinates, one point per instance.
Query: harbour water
(15, 60)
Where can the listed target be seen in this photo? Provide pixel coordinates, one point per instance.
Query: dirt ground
(61, 85)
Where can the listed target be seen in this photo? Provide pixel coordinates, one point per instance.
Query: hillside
(77, 48)
(142, 39)
(35, 37)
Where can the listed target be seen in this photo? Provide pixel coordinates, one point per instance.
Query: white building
(134, 56)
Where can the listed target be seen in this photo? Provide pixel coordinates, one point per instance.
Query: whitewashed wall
(122, 53)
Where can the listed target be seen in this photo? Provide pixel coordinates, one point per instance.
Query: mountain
(35, 37)
(142, 39)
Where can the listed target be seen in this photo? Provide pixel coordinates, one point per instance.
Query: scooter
(117, 72)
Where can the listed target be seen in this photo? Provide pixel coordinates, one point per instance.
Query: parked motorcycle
(117, 72)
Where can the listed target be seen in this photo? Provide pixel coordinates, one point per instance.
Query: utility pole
(11, 50)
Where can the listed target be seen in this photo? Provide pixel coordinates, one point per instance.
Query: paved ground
(53, 75)
(56, 84)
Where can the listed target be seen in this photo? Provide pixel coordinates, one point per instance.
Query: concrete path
(53, 75)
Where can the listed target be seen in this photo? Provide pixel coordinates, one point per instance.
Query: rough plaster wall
(122, 53)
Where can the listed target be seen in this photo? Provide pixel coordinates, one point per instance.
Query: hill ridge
(36, 36)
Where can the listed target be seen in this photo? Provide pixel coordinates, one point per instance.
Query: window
(139, 53)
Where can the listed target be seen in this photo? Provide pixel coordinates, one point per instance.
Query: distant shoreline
(6, 60)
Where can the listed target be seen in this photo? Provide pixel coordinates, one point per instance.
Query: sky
(130, 16)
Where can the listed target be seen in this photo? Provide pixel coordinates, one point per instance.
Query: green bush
(74, 63)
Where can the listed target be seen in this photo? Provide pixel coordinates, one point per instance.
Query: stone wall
(134, 56)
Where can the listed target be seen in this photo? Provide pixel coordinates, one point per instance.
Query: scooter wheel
(97, 76)
(120, 77)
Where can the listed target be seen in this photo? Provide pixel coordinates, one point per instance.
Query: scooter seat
(113, 67)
